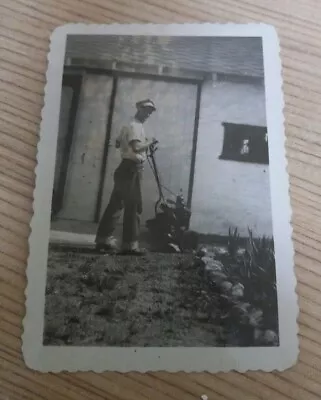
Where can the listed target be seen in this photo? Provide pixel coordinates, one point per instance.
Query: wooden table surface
(24, 32)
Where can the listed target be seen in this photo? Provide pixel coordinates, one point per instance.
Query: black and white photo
(165, 214)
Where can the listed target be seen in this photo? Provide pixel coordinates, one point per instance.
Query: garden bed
(241, 283)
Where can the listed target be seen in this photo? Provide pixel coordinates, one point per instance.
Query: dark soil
(156, 300)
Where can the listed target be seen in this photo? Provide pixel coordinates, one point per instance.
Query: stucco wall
(228, 193)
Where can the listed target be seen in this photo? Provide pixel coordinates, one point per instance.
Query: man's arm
(137, 142)
(119, 138)
(139, 147)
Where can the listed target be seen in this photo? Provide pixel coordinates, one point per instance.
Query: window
(245, 143)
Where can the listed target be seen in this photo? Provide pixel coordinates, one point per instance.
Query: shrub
(255, 270)
(259, 262)
(233, 243)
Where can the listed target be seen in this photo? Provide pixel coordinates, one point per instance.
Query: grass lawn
(126, 301)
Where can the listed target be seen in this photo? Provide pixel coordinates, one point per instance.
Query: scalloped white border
(98, 359)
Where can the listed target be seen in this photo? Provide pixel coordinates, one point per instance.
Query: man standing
(126, 194)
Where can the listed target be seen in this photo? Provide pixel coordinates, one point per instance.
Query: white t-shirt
(135, 131)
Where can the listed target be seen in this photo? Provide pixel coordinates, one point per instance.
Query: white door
(65, 105)
(172, 124)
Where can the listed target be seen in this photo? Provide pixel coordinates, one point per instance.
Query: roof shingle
(233, 55)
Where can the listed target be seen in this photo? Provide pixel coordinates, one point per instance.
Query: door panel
(172, 124)
(71, 85)
(82, 184)
(65, 105)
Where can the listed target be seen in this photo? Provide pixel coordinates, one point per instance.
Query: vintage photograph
(161, 230)
(161, 224)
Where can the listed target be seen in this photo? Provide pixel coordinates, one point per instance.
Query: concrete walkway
(81, 239)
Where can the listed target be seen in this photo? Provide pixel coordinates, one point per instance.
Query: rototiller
(171, 223)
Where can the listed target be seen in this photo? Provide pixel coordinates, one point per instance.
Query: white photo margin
(98, 359)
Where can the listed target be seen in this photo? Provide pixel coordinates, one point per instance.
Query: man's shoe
(109, 245)
(132, 250)
(105, 249)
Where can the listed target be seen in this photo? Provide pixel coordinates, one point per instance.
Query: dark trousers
(126, 195)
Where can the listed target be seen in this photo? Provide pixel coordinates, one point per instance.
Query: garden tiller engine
(168, 228)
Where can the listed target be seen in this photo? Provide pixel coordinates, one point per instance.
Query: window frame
(229, 150)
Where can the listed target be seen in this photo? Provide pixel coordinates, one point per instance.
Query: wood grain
(24, 38)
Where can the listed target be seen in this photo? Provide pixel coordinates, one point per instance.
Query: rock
(237, 290)
(204, 397)
(206, 260)
(202, 252)
(243, 308)
(270, 337)
(255, 317)
(217, 265)
(211, 263)
(174, 247)
(225, 297)
(216, 276)
(241, 311)
(220, 251)
(226, 286)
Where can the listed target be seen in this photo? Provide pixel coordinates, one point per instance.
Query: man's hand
(138, 147)
(152, 142)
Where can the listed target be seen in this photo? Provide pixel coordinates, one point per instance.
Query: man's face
(144, 113)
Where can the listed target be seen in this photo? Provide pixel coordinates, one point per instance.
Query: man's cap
(146, 103)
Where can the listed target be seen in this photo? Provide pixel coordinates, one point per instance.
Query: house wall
(225, 193)
(228, 193)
